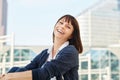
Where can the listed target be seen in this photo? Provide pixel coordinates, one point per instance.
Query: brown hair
(75, 40)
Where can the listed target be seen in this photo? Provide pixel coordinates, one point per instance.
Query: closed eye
(61, 22)
(69, 27)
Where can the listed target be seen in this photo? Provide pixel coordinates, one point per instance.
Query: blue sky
(32, 21)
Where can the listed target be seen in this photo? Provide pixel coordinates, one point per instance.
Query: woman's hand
(2, 76)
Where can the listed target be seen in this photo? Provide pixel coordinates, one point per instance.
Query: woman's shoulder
(70, 49)
(43, 52)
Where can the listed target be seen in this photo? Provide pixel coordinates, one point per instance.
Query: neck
(56, 46)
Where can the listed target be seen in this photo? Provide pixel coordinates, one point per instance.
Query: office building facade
(21, 57)
(100, 24)
(100, 30)
(99, 64)
(3, 17)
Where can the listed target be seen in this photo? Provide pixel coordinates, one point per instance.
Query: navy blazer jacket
(65, 64)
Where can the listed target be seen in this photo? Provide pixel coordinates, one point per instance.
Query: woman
(61, 62)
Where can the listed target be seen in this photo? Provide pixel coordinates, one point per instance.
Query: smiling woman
(60, 62)
(63, 30)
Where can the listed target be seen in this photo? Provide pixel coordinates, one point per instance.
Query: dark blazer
(65, 64)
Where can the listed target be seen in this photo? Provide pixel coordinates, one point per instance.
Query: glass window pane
(114, 65)
(94, 64)
(16, 52)
(104, 63)
(25, 52)
(115, 77)
(84, 65)
(17, 59)
(7, 59)
(25, 55)
(25, 58)
(84, 77)
(94, 77)
(1, 58)
(8, 53)
(32, 54)
(113, 56)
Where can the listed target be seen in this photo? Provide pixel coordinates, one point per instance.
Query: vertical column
(12, 50)
(108, 73)
(89, 67)
(89, 27)
(100, 73)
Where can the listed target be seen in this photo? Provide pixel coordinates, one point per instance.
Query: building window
(104, 65)
(84, 65)
(84, 77)
(94, 77)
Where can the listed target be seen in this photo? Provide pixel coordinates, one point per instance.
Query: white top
(50, 54)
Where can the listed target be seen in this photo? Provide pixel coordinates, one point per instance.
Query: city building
(100, 32)
(3, 17)
(21, 57)
(100, 24)
(99, 64)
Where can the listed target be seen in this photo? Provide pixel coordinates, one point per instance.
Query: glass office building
(100, 28)
(100, 24)
(99, 64)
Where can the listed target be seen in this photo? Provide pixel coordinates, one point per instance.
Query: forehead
(68, 22)
(66, 19)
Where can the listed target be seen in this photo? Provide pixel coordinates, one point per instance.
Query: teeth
(60, 31)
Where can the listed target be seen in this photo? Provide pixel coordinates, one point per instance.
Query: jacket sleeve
(65, 60)
(37, 61)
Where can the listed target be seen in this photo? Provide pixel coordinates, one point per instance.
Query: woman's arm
(26, 75)
(66, 60)
(35, 63)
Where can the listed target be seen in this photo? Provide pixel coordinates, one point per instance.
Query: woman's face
(63, 30)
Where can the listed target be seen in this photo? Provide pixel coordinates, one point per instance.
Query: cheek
(71, 34)
(54, 31)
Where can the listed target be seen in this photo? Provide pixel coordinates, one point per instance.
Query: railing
(3, 40)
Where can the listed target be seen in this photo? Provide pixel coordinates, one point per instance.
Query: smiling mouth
(60, 31)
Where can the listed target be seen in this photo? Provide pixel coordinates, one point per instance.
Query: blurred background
(26, 29)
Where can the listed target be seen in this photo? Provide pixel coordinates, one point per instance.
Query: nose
(63, 26)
